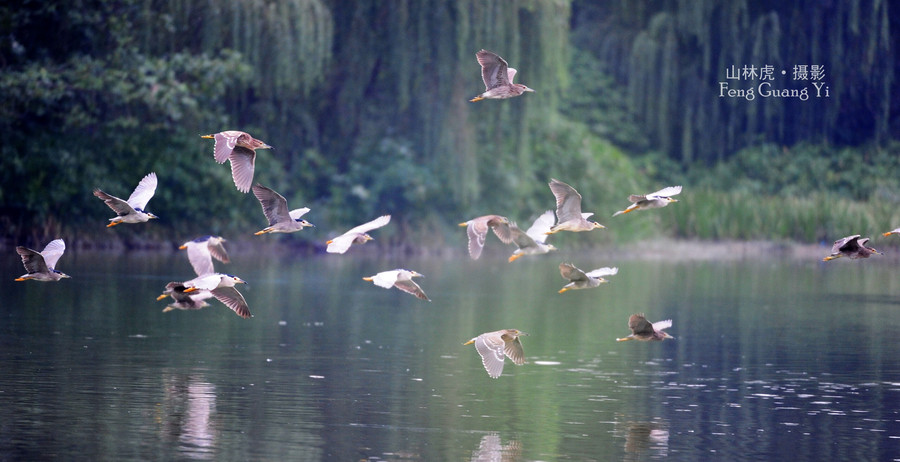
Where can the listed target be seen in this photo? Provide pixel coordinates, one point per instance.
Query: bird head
(524, 88)
(305, 223)
(516, 333)
(414, 274)
(669, 199)
(151, 216)
(236, 279)
(551, 247)
(61, 274)
(597, 225)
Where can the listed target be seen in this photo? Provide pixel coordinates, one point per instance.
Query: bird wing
(217, 249)
(600, 272)
(341, 243)
(568, 201)
(409, 286)
(665, 192)
(297, 213)
(510, 74)
(493, 69)
(490, 346)
(374, 224)
(500, 226)
(232, 299)
(662, 325)
(117, 205)
(845, 243)
(571, 273)
(637, 198)
(520, 238)
(514, 351)
(477, 232)
(541, 226)
(274, 205)
(200, 258)
(143, 192)
(386, 279)
(225, 143)
(33, 260)
(639, 324)
(53, 251)
(243, 161)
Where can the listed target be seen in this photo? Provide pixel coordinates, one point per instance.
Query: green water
(773, 359)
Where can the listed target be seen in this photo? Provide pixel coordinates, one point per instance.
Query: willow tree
(407, 70)
(677, 55)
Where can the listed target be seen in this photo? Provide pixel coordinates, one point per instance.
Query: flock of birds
(239, 148)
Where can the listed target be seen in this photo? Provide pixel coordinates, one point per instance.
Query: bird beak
(415, 274)
(523, 334)
(529, 89)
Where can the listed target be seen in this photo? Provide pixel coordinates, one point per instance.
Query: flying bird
(656, 200)
(240, 148)
(578, 279)
(401, 279)
(533, 241)
(41, 266)
(568, 210)
(132, 210)
(275, 209)
(492, 346)
(194, 300)
(201, 252)
(852, 247)
(498, 78)
(477, 229)
(643, 330)
(357, 235)
(221, 286)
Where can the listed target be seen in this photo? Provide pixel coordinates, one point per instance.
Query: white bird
(578, 279)
(41, 266)
(401, 279)
(275, 209)
(202, 250)
(357, 235)
(132, 210)
(221, 286)
(533, 241)
(655, 200)
(240, 148)
(492, 346)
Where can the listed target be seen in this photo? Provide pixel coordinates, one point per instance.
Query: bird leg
(624, 339)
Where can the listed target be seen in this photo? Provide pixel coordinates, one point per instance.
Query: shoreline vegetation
(623, 105)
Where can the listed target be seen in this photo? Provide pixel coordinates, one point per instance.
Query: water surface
(773, 359)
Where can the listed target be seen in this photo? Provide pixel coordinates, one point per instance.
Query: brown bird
(275, 209)
(477, 229)
(643, 330)
(240, 148)
(568, 210)
(660, 198)
(578, 279)
(401, 279)
(893, 231)
(184, 301)
(492, 346)
(851, 247)
(498, 78)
